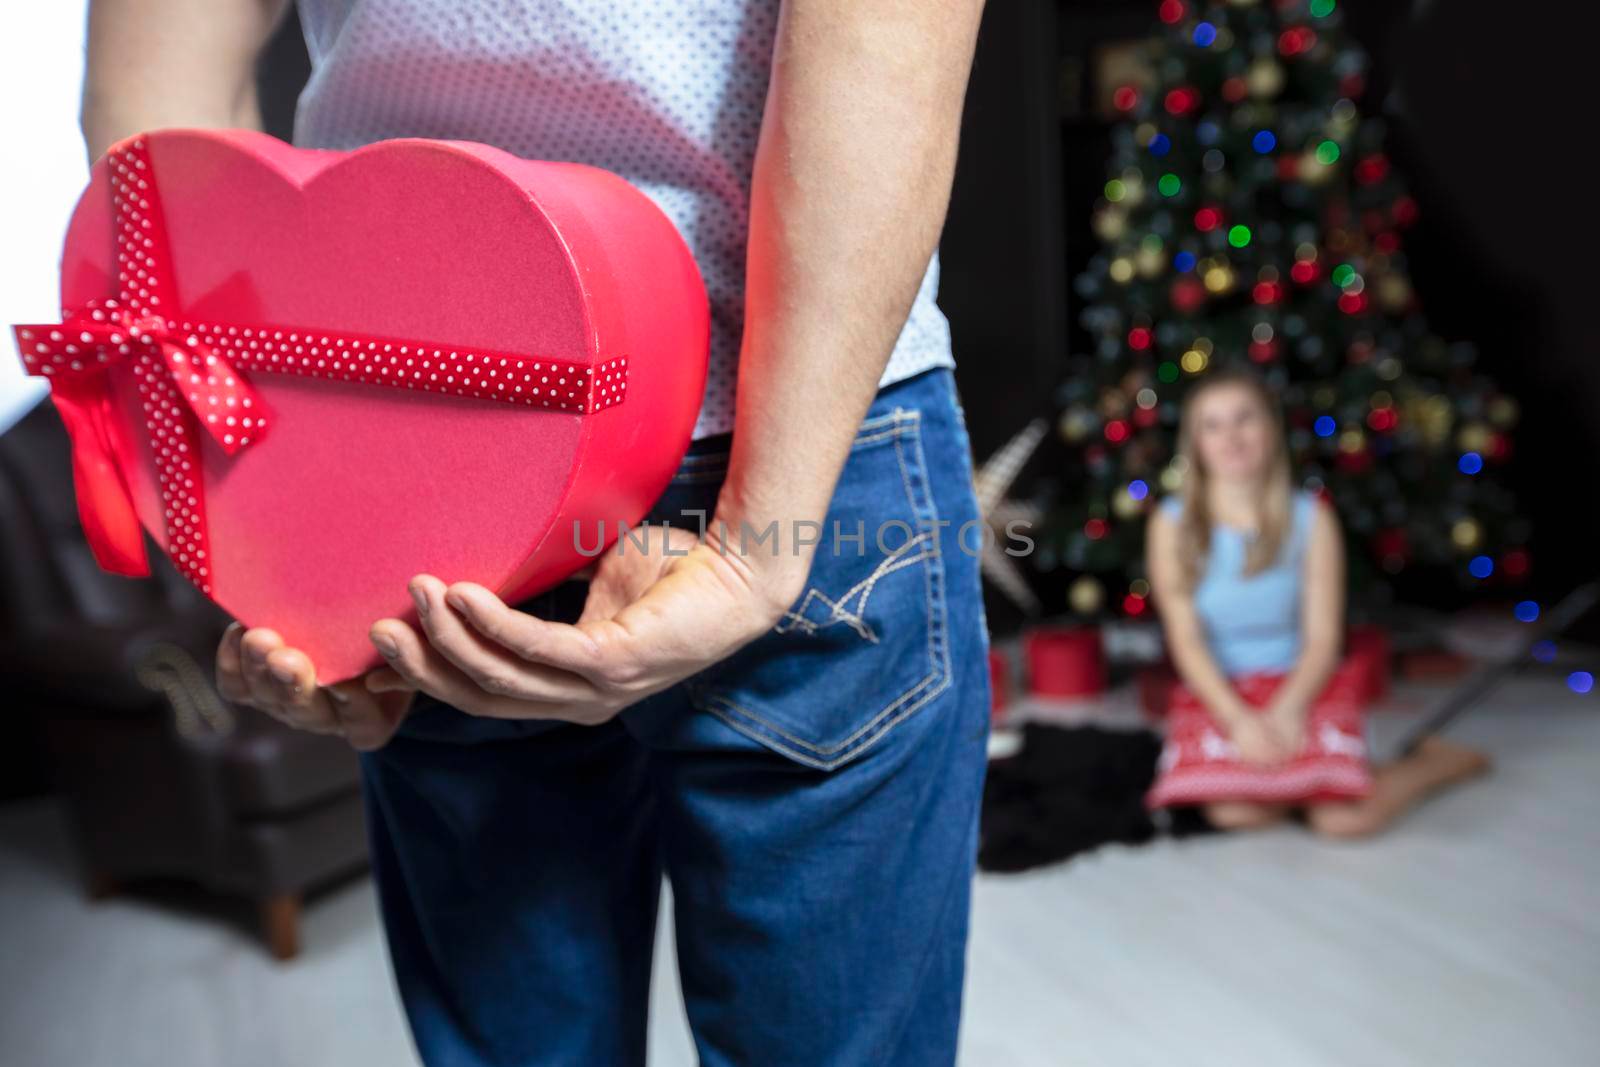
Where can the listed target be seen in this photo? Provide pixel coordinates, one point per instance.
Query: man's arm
(851, 185)
(156, 63)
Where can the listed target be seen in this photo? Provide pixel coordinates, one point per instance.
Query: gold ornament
(1086, 595)
(1394, 292)
(1076, 423)
(1264, 79)
(1503, 412)
(1466, 534)
(1110, 223)
(1474, 437)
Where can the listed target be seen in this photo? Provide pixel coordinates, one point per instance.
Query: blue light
(1183, 262)
(1544, 651)
(1160, 144)
(1324, 426)
(1204, 34)
(1470, 463)
(1528, 611)
(1264, 142)
(1207, 132)
(1138, 489)
(1580, 681)
(1480, 567)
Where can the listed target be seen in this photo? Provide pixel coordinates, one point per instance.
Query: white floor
(1469, 935)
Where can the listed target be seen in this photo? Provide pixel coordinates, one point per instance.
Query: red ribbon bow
(188, 375)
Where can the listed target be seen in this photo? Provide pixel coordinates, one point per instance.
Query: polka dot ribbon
(189, 376)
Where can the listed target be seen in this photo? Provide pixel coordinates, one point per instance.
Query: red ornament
(1133, 604)
(1266, 292)
(1125, 98)
(251, 322)
(1387, 242)
(1145, 417)
(1065, 661)
(1296, 40)
(1139, 338)
(1372, 169)
(1116, 431)
(1352, 303)
(1404, 211)
(1382, 419)
(1187, 295)
(1207, 219)
(1304, 271)
(1171, 11)
(1095, 529)
(1182, 100)
(1263, 351)
(1356, 462)
(1515, 563)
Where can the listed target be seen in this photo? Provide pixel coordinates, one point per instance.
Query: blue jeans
(813, 799)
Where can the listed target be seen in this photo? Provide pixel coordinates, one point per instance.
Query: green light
(1343, 275)
(1321, 9)
(1167, 372)
(1239, 236)
(1327, 153)
(1169, 185)
(1115, 190)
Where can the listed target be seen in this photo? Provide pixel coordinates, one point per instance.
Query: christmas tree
(1251, 216)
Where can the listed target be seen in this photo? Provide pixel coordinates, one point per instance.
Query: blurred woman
(1248, 572)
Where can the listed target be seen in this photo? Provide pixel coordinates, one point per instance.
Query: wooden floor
(1470, 935)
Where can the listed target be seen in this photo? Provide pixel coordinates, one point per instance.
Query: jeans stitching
(907, 424)
(862, 590)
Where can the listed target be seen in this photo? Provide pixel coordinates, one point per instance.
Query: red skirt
(1198, 763)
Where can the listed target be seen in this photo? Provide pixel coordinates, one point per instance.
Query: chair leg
(280, 923)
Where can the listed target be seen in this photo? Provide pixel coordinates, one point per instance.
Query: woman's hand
(1256, 741)
(653, 617)
(1288, 722)
(255, 667)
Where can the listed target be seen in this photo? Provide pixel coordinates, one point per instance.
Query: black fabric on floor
(1069, 790)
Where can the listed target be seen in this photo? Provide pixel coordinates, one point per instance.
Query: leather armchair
(160, 776)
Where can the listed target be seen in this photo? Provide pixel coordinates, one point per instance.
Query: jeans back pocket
(866, 644)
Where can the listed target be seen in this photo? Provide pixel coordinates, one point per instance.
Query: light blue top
(667, 93)
(1252, 624)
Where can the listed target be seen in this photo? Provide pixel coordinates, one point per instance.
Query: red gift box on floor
(1366, 649)
(1065, 661)
(311, 375)
(999, 682)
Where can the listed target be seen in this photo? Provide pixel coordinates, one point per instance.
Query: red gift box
(1366, 650)
(310, 375)
(999, 682)
(1065, 661)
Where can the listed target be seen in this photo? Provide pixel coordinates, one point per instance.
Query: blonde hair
(1194, 519)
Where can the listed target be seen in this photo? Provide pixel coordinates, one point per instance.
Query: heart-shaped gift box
(312, 374)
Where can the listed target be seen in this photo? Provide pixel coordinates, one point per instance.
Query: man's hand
(255, 667)
(653, 617)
